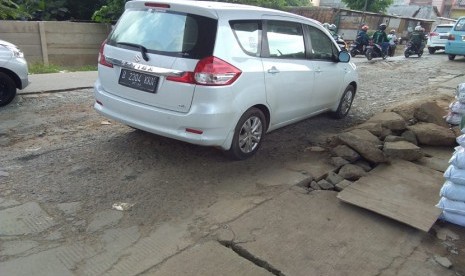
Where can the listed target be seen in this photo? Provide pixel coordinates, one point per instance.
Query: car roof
(217, 9)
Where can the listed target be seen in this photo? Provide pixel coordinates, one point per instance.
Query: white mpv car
(219, 74)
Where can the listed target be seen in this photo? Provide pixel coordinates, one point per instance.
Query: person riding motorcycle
(333, 31)
(362, 36)
(417, 38)
(380, 38)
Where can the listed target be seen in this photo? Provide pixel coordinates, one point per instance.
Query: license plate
(136, 80)
(444, 37)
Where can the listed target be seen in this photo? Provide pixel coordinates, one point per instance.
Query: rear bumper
(217, 128)
(455, 48)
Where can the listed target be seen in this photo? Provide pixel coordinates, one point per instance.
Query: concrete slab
(402, 191)
(149, 251)
(208, 259)
(59, 261)
(24, 219)
(340, 240)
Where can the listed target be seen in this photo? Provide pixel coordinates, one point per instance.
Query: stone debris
(433, 135)
(402, 150)
(325, 185)
(346, 153)
(334, 178)
(351, 172)
(397, 133)
(443, 261)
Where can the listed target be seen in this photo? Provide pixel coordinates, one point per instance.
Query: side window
(460, 26)
(249, 35)
(321, 46)
(285, 40)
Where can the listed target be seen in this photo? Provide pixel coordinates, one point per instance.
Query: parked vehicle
(220, 74)
(455, 44)
(374, 50)
(357, 49)
(438, 37)
(13, 71)
(412, 49)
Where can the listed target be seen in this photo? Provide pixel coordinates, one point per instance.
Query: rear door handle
(273, 70)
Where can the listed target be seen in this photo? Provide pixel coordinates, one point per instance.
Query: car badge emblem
(137, 58)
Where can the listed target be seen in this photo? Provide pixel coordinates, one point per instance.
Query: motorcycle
(412, 49)
(357, 49)
(340, 41)
(374, 50)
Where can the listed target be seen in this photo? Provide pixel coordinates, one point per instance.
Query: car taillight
(157, 5)
(451, 37)
(101, 56)
(210, 71)
(433, 34)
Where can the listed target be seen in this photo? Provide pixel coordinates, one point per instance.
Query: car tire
(451, 57)
(248, 134)
(7, 89)
(345, 103)
(431, 51)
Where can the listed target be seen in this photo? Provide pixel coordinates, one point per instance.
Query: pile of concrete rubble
(397, 133)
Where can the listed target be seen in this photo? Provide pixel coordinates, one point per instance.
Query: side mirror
(344, 56)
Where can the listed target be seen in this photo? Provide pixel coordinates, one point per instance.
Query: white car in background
(438, 37)
(13, 71)
(220, 74)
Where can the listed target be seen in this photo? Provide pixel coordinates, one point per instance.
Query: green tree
(378, 6)
(109, 12)
(44, 9)
(10, 10)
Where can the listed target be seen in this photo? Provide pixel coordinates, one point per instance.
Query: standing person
(380, 38)
(392, 42)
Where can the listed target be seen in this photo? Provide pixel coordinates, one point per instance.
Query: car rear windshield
(443, 29)
(168, 33)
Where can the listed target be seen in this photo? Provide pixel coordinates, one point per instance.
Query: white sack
(457, 107)
(452, 206)
(453, 191)
(460, 92)
(458, 159)
(455, 175)
(453, 218)
(453, 118)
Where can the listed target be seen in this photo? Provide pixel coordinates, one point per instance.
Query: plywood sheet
(403, 191)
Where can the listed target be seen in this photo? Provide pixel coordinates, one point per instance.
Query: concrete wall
(56, 42)
(348, 21)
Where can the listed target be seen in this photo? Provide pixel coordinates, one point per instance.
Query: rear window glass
(443, 29)
(249, 35)
(175, 34)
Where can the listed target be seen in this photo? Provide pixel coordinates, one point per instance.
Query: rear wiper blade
(142, 49)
